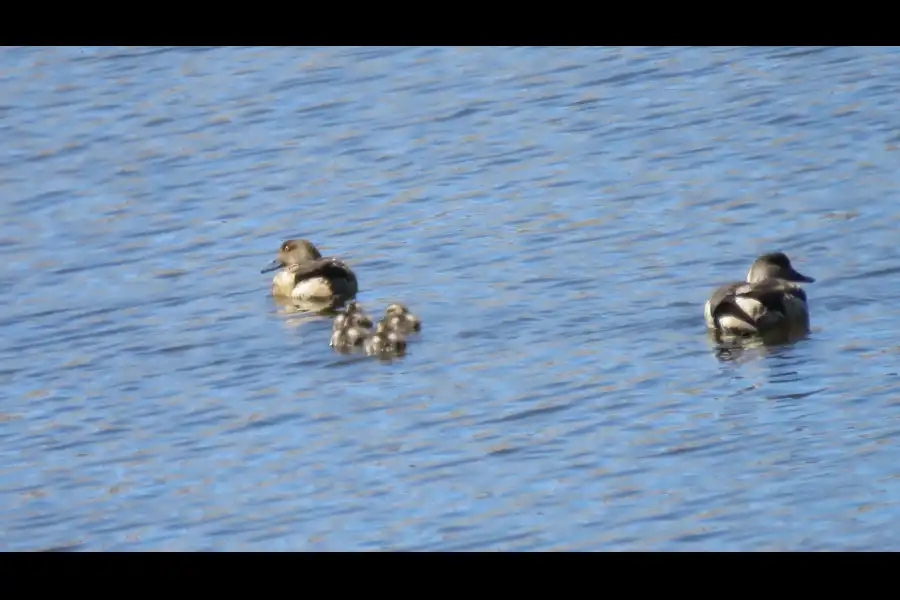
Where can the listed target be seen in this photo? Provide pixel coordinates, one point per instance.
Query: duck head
(293, 252)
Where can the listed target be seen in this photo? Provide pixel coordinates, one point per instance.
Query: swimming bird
(769, 300)
(385, 341)
(398, 318)
(345, 339)
(353, 315)
(306, 275)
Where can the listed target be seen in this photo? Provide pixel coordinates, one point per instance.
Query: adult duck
(770, 300)
(306, 275)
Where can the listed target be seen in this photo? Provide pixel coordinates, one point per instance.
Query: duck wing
(761, 305)
(723, 299)
(770, 293)
(330, 268)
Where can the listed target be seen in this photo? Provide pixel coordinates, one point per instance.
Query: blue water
(557, 217)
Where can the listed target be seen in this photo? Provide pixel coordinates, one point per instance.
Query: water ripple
(557, 216)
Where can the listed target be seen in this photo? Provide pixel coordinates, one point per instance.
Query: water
(556, 217)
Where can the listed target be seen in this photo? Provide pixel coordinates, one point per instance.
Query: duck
(385, 341)
(348, 337)
(398, 318)
(306, 275)
(770, 300)
(353, 315)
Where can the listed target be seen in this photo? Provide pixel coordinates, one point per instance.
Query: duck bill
(275, 264)
(797, 276)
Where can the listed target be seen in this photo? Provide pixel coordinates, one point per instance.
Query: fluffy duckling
(398, 318)
(385, 341)
(352, 315)
(347, 338)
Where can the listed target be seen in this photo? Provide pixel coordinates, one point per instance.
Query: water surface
(556, 216)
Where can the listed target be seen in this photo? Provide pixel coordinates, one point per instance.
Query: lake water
(556, 216)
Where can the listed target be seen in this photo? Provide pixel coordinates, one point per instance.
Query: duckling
(401, 320)
(305, 274)
(346, 338)
(768, 301)
(385, 341)
(353, 315)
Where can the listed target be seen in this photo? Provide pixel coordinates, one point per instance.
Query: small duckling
(400, 319)
(349, 337)
(353, 307)
(352, 315)
(358, 315)
(385, 341)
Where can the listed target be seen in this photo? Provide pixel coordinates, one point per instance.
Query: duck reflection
(729, 348)
(289, 305)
